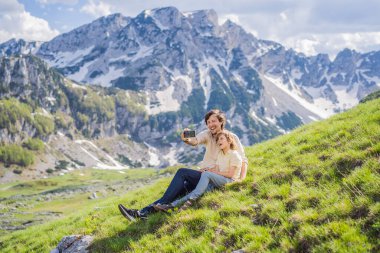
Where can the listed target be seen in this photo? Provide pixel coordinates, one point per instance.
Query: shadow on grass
(134, 231)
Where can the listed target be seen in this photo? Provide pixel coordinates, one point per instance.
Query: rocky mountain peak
(168, 17)
(345, 60)
(205, 21)
(18, 47)
(85, 36)
(236, 36)
(30, 80)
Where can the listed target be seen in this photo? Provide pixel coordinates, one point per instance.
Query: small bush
(63, 120)
(43, 124)
(62, 165)
(17, 171)
(34, 144)
(13, 154)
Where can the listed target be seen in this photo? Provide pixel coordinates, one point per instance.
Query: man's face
(214, 125)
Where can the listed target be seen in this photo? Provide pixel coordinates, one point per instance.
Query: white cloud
(66, 2)
(96, 8)
(305, 46)
(234, 18)
(15, 22)
(311, 44)
(283, 16)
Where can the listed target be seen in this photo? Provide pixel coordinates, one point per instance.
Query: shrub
(11, 111)
(82, 119)
(13, 154)
(43, 124)
(132, 101)
(34, 144)
(17, 171)
(62, 165)
(62, 120)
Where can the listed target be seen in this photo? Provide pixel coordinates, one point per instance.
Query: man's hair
(229, 138)
(219, 114)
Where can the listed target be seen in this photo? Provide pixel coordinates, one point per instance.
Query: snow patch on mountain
(69, 58)
(271, 120)
(105, 80)
(205, 83)
(254, 115)
(154, 160)
(51, 100)
(315, 107)
(312, 118)
(74, 85)
(347, 99)
(150, 13)
(144, 51)
(177, 76)
(171, 156)
(166, 102)
(212, 63)
(81, 74)
(374, 79)
(274, 101)
(86, 146)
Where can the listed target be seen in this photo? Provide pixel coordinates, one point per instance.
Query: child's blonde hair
(229, 137)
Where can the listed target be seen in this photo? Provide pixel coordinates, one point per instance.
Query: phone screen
(188, 134)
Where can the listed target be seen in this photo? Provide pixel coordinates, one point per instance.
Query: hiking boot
(131, 214)
(163, 207)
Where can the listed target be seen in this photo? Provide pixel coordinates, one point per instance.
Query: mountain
(186, 63)
(312, 190)
(80, 126)
(333, 85)
(164, 51)
(19, 47)
(163, 70)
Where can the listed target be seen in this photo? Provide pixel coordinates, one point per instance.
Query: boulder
(74, 244)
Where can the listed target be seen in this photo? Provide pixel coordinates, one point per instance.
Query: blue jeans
(184, 181)
(207, 178)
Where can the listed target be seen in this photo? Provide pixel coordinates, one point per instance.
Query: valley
(33, 202)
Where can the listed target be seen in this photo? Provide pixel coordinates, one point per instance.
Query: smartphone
(189, 133)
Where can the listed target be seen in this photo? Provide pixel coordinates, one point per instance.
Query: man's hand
(183, 135)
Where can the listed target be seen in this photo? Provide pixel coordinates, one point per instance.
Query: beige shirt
(226, 161)
(205, 137)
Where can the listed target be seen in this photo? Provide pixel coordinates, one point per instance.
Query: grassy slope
(314, 190)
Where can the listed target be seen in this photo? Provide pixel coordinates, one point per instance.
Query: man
(185, 180)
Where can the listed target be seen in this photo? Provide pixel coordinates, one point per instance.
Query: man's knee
(182, 171)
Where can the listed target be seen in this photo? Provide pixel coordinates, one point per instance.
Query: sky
(308, 26)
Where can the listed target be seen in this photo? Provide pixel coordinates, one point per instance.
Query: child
(227, 169)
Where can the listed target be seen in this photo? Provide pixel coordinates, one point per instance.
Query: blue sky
(309, 26)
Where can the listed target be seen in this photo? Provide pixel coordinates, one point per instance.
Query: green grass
(316, 189)
(74, 178)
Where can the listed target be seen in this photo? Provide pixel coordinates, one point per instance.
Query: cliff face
(38, 102)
